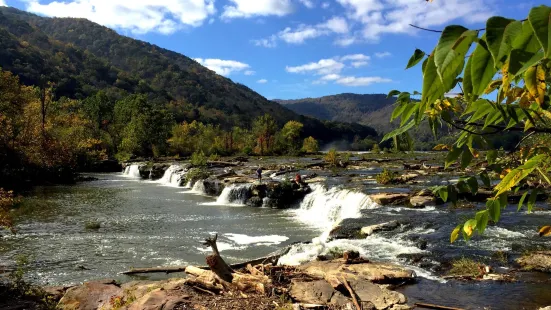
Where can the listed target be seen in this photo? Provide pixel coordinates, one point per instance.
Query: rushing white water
(323, 208)
(132, 170)
(173, 176)
(198, 188)
(236, 194)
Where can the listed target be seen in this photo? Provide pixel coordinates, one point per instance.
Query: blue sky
(291, 49)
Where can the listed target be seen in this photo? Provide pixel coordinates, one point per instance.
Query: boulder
(382, 273)
(422, 201)
(159, 299)
(369, 230)
(538, 260)
(316, 292)
(90, 296)
(254, 202)
(385, 199)
(379, 296)
(213, 187)
(350, 228)
(55, 292)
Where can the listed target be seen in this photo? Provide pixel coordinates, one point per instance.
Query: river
(146, 223)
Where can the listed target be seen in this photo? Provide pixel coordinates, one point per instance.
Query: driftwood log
(221, 277)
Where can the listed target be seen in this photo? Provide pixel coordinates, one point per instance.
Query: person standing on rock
(259, 174)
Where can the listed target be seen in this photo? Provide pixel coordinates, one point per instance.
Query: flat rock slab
(380, 297)
(539, 260)
(90, 296)
(374, 272)
(422, 201)
(385, 199)
(317, 292)
(369, 230)
(159, 299)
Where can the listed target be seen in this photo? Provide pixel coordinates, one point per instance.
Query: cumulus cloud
(357, 57)
(361, 81)
(325, 5)
(163, 16)
(250, 72)
(223, 67)
(262, 81)
(322, 67)
(303, 32)
(248, 8)
(382, 54)
(308, 3)
(380, 17)
(3, 3)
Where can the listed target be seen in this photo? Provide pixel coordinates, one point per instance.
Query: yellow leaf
(455, 234)
(534, 79)
(468, 229)
(441, 147)
(545, 231)
(493, 86)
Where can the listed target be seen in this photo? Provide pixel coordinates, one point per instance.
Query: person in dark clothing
(298, 179)
(259, 174)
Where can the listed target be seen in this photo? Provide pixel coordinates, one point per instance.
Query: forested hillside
(79, 58)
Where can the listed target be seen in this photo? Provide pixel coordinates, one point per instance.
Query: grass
(465, 267)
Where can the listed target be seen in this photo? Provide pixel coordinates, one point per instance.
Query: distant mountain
(372, 110)
(369, 109)
(81, 58)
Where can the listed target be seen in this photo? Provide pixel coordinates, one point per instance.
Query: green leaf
(452, 194)
(540, 19)
(491, 156)
(544, 176)
(482, 68)
(522, 60)
(485, 179)
(518, 174)
(399, 131)
(494, 209)
(521, 202)
(526, 40)
(463, 187)
(466, 159)
(432, 85)
(443, 193)
(482, 218)
(398, 111)
(473, 184)
(455, 233)
(449, 55)
(415, 58)
(493, 118)
(532, 200)
(393, 93)
(503, 200)
(469, 227)
(483, 108)
(467, 81)
(453, 155)
(500, 33)
(408, 111)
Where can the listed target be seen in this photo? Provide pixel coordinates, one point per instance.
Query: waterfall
(173, 176)
(325, 208)
(234, 195)
(199, 188)
(133, 170)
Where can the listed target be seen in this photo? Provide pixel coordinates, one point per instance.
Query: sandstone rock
(55, 292)
(316, 292)
(539, 260)
(90, 296)
(158, 299)
(369, 230)
(389, 198)
(383, 273)
(422, 201)
(380, 297)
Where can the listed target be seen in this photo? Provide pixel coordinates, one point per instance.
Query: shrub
(331, 157)
(385, 177)
(7, 202)
(465, 267)
(198, 159)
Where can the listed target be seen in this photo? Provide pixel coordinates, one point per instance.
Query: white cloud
(357, 64)
(360, 57)
(163, 16)
(223, 67)
(307, 3)
(262, 81)
(269, 42)
(382, 54)
(330, 77)
(250, 72)
(322, 67)
(251, 8)
(3, 3)
(346, 41)
(325, 5)
(394, 16)
(304, 32)
(361, 81)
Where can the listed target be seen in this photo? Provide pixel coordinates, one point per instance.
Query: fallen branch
(352, 294)
(203, 290)
(436, 307)
(156, 270)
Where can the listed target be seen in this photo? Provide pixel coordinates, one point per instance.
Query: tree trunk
(216, 262)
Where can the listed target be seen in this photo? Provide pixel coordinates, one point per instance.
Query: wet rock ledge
(316, 285)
